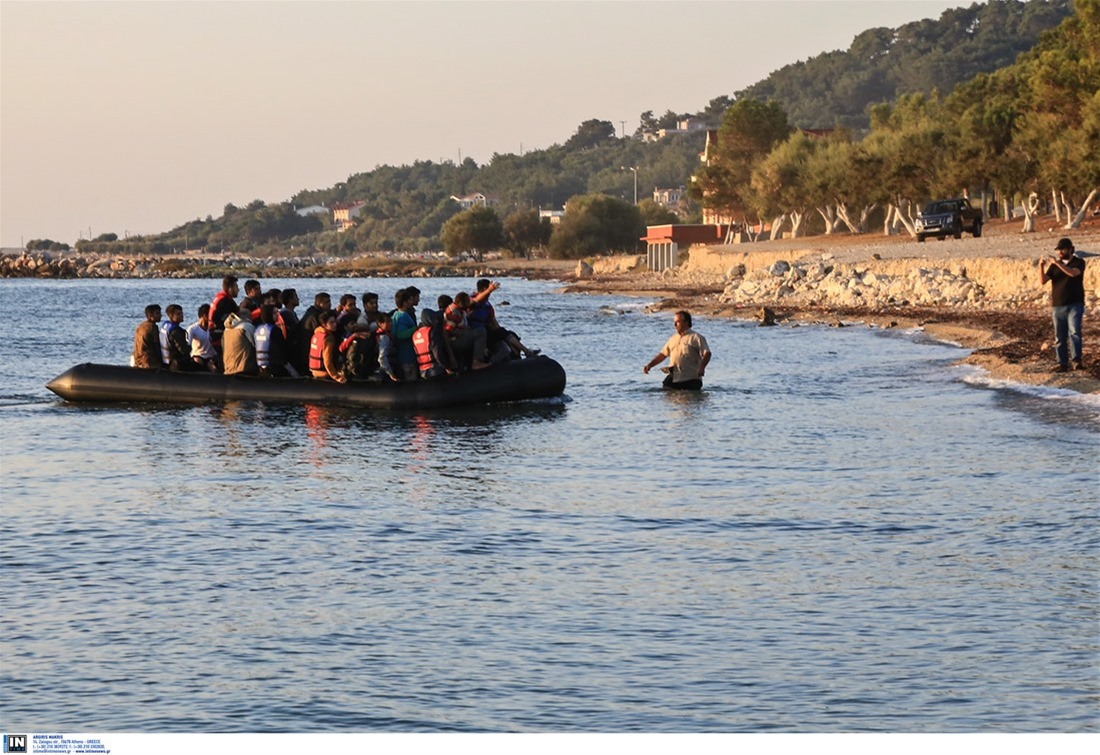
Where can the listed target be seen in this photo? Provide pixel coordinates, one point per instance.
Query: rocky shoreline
(983, 293)
(42, 264)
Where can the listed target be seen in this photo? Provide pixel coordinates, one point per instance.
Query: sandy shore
(1011, 337)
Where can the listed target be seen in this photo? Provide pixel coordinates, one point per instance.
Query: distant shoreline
(1008, 329)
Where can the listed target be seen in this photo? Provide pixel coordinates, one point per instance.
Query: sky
(135, 117)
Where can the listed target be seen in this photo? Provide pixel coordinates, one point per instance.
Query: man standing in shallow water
(688, 355)
(1066, 274)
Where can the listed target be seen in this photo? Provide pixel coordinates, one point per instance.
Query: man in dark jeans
(1066, 273)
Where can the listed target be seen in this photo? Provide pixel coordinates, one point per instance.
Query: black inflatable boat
(517, 380)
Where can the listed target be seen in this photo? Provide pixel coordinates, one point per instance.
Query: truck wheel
(920, 238)
(958, 231)
(977, 229)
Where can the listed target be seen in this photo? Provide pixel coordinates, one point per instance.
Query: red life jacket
(317, 350)
(454, 318)
(422, 344)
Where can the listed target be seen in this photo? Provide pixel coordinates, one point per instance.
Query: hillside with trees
(1027, 136)
(987, 133)
(836, 89)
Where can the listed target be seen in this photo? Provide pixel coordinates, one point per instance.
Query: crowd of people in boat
(263, 335)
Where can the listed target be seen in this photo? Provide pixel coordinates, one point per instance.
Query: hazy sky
(138, 116)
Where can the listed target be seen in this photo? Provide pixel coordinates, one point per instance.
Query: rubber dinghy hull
(517, 380)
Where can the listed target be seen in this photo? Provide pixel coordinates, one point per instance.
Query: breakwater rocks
(844, 285)
(813, 278)
(77, 265)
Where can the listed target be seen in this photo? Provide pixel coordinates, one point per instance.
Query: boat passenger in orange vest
(433, 349)
(324, 350)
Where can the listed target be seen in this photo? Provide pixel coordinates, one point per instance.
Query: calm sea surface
(843, 532)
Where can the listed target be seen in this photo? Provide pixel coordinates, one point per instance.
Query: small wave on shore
(1089, 403)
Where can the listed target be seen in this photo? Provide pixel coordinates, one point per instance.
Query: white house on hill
(476, 199)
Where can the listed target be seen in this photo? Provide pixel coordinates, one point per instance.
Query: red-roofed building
(663, 242)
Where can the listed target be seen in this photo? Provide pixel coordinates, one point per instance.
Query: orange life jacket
(422, 344)
(317, 349)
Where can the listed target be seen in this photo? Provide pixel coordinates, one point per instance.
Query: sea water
(844, 531)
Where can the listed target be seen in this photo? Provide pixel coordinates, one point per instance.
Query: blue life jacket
(263, 344)
(166, 328)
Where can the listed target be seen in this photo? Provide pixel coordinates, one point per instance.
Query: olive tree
(476, 230)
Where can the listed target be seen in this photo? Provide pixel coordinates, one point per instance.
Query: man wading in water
(688, 353)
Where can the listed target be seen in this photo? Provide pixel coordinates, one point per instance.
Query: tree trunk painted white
(889, 225)
(1057, 207)
(842, 213)
(796, 223)
(1031, 207)
(903, 214)
(777, 226)
(1007, 210)
(1077, 217)
(828, 214)
(864, 214)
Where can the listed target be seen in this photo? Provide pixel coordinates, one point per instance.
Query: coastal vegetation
(835, 89)
(931, 108)
(1017, 136)
(46, 245)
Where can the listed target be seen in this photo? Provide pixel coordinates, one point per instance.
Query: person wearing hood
(239, 347)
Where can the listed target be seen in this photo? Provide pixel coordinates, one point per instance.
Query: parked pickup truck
(948, 217)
